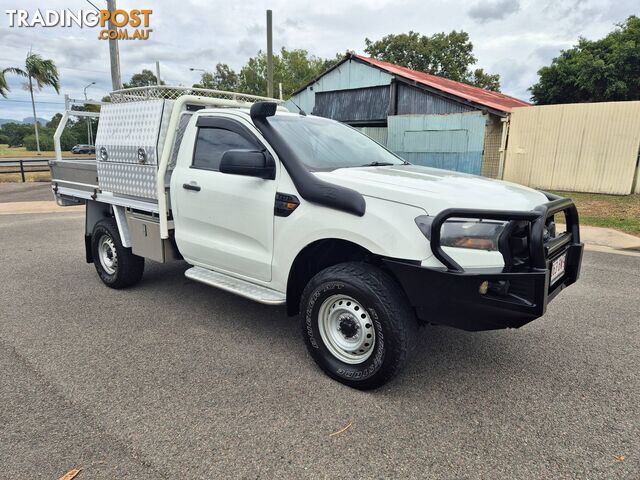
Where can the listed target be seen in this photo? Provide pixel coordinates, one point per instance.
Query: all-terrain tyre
(116, 265)
(357, 324)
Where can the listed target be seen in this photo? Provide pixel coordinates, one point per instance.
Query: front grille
(515, 249)
(526, 243)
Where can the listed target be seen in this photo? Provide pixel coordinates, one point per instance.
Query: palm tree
(4, 88)
(41, 72)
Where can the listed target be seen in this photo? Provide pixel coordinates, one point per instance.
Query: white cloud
(487, 11)
(201, 33)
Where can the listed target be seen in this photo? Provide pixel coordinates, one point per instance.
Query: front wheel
(116, 265)
(357, 324)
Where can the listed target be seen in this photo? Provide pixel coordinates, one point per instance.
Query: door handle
(191, 186)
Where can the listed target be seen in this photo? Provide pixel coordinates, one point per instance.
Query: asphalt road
(174, 379)
(25, 192)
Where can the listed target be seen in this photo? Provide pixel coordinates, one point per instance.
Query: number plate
(557, 268)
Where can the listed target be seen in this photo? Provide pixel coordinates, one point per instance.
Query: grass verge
(621, 212)
(29, 177)
(22, 152)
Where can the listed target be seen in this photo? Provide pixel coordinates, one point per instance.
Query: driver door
(223, 221)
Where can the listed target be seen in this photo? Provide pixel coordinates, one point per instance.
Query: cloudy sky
(511, 37)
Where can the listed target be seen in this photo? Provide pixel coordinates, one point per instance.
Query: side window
(211, 143)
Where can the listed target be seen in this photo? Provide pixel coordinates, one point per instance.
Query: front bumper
(515, 296)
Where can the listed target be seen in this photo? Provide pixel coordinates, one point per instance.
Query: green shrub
(4, 139)
(16, 133)
(67, 140)
(46, 142)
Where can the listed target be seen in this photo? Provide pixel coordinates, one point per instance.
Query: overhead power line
(93, 5)
(73, 69)
(29, 101)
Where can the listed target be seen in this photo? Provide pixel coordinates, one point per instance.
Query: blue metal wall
(350, 74)
(452, 142)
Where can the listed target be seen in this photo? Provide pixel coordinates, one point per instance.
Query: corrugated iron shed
(495, 100)
(479, 98)
(374, 95)
(414, 100)
(355, 105)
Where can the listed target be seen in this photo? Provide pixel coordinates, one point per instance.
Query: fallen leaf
(341, 430)
(620, 458)
(71, 474)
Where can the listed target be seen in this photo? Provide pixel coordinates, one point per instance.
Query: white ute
(288, 208)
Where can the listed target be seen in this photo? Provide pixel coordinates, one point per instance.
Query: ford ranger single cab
(290, 209)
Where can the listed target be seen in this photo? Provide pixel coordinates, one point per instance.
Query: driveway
(174, 379)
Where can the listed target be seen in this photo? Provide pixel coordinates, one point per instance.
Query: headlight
(465, 232)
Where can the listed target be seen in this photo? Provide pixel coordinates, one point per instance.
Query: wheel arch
(96, 211)
(317, 256)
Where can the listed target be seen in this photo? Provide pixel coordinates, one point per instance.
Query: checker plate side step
(235, 285)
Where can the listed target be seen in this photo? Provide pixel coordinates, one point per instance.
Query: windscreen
(323, 144)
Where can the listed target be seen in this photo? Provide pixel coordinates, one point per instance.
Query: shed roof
(480, 96)
(496, 100)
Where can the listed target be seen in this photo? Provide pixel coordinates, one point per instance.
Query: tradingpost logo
(119, 24)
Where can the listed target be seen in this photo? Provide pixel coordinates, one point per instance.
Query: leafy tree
(76, 126)
(293, 68)
(54, 122)
(67, 140)
(224, 78)
(253, 76)
(15, 132)
(594, 71)
(4, 140)
(41, 72)
(80, 127)
(142, 79)
(448, 55)
(330, 62)
(488, 81)
(296, 68)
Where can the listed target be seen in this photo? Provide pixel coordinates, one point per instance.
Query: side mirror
(251, 163)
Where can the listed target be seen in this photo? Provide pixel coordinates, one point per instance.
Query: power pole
(89, 128)
(114, 54)
(158, 72)
(269, 54)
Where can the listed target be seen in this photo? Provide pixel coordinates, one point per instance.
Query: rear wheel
(357, 324)
(116, 265)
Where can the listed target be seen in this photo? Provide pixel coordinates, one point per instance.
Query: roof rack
(153, 92)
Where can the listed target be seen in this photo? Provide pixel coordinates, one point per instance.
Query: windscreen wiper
(378, 164)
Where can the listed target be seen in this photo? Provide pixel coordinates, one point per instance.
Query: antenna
(300, 111)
